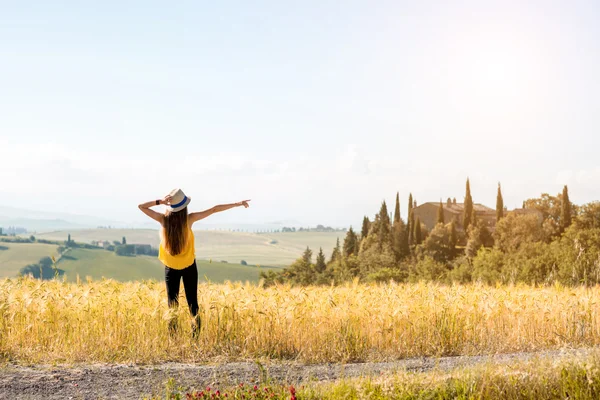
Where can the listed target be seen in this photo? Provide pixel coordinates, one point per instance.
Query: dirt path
(99, 381)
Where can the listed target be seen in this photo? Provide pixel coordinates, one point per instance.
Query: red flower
(255, 387)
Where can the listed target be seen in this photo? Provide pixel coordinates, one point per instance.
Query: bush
(375, 258)
(386, 275)
(438, 244)
(428, 269)
(125, 250)
(44, 269)
(244, 262)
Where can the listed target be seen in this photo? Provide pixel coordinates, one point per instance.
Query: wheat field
(108, 321)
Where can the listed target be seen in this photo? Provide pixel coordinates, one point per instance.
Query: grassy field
(107, 321)
(99, 264)
(14, 256)
(274, 249)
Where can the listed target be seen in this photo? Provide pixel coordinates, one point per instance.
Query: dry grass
(574, 377)
(108, 321)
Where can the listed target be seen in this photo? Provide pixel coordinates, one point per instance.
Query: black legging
(190, 285)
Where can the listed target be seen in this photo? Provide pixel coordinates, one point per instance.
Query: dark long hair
(175, 231)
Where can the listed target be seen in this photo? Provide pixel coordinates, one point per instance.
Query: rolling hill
(14, 256)
(273, 249)
(99, 264)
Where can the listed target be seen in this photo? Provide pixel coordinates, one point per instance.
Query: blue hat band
(179, 204)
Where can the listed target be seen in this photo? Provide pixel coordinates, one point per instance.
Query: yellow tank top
(181, 260)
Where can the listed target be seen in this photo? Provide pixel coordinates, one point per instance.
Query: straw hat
(179, 200)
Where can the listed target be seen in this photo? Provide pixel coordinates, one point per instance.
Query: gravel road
(112, 381)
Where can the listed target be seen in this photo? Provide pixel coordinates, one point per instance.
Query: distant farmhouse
(453, 211)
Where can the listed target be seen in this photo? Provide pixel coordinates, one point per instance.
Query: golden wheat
(108, 321)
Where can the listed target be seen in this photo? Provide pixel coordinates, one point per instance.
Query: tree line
(558, 242)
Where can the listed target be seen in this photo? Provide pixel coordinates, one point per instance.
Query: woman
(176, 250)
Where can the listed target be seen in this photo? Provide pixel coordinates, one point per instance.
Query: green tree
(307, 255)
(400, 240)
(366, 225)
(551, 209)
(438, 244)
(125, 250)
(588, 216)
(399, 234)
(474, 242)
(468, 207)
(301, 271)
(453, 236)
(514, 230)
(397, 209)
(373, 258)
(418, 233)
(385, 227)
(440, 214)
(350, 243)
(566, 212)
(337, 252)
(124, 241)
(320, 264)
(429, 269)
(69, 239)
(410, 225)
(499, 204)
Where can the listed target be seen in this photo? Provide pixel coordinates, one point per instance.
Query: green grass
(99, 264)
(14, 256)
(274, 249)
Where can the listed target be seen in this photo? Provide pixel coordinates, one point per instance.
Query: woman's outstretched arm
(197, 216)
(145, 207)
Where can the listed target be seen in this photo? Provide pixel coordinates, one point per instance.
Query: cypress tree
(400, 240)
(307, 255)
(304, 270)
(350, 243)
(320, 265)
(453, 235)
(336, 253)
(418, 237)
(124, 241)
(499, 204)
(440, 214)
(468, 207)
(366, 225)
(385, 228)
(565, 212)
(410, 225)
(397, 209)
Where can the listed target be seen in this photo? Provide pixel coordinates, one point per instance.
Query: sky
(317, 111)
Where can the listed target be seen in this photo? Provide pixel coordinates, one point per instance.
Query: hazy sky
(315, 110)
